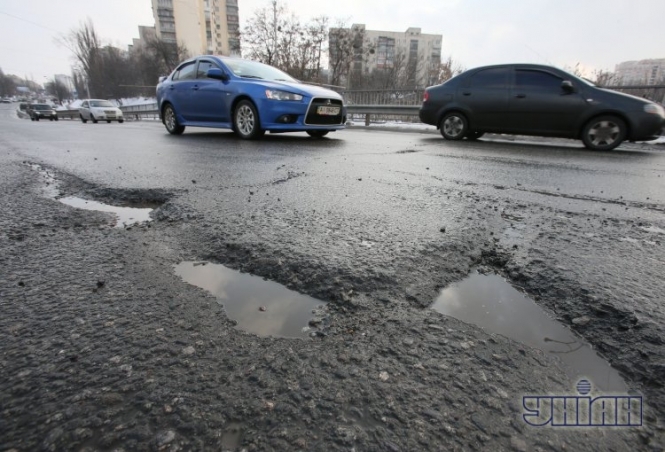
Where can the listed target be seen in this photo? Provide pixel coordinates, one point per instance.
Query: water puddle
(262, 307)
(654, 229)
(492, 303)
(126, 216)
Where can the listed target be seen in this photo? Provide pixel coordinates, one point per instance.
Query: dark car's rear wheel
(317, 133)
(454, 126)
(246, 122)
(604, 133)
(171, 121)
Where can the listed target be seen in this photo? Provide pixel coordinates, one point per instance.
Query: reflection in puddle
(261, 307)
(493, 304)
(126, 215)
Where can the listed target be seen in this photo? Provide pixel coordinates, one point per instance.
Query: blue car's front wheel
(246, 122)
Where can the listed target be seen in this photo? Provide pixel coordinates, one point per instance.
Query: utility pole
(274, 31)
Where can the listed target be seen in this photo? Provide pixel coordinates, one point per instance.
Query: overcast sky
(596, 33)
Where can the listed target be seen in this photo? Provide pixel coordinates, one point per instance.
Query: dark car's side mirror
(217, 74)
(567, 87)
(162, 78)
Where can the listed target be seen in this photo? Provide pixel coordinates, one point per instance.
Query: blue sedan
(246, 96)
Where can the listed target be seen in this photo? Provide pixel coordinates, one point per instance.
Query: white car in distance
(99, 110)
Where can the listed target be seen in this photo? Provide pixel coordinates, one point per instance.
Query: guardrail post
(367, 120)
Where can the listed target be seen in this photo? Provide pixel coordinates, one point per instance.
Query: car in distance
(529, 99)
(96, 110)
(41, 111)
(246, 96)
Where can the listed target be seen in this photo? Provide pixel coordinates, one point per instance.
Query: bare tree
(279, 38)
(348, 52)
(444, 71)
(7, 85)
(80, 84)
(604, 78)
(262, 33)
(58, 89)
(166, 55)
(86, 46)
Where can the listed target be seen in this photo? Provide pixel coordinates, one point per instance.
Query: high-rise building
(643, 72)
(202, 26)
(145, 34)
(416, 52)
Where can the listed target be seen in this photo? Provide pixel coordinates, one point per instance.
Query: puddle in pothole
(654, 229)
(125, 215)
(492, 303)
(262, 307)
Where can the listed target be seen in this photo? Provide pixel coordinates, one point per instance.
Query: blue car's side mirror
(217, 74)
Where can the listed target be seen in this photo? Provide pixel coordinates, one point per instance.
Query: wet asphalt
(375, 223)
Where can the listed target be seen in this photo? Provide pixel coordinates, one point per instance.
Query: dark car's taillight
(426, 96)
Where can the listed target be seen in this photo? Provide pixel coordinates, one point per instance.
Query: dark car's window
(490, 78)
(203, 69)
(186, 72)
(530, 79)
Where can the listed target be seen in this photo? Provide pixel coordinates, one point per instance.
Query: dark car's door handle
(195, 87)
(466, 93)
(520, 96)
(172, 87)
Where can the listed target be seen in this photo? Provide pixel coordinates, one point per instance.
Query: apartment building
(419, 53)
(202, 26)
(643, 72)
(145, 34)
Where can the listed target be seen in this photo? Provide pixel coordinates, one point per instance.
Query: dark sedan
(41, 111)
(529, 99)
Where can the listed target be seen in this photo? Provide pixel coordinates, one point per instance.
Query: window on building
(385, 52)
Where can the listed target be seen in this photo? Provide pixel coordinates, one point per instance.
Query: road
(375, 224)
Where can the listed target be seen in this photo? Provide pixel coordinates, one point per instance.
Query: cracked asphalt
(102, 347)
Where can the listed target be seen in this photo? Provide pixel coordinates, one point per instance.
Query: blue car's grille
(314, 118)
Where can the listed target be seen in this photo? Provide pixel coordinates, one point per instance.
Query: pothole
(492, 303)
(126, 214)
(262, 307)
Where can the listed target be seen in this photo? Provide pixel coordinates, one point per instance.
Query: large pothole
(492, 303)
(262, 307)
(126, 212)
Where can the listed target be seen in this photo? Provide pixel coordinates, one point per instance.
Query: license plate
(327, 111)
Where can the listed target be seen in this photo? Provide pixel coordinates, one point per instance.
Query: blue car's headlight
(282, 95)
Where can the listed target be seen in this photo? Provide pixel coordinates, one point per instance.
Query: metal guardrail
(385, 110)
(129, 115)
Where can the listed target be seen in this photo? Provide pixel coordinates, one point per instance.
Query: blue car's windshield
(252, 69)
